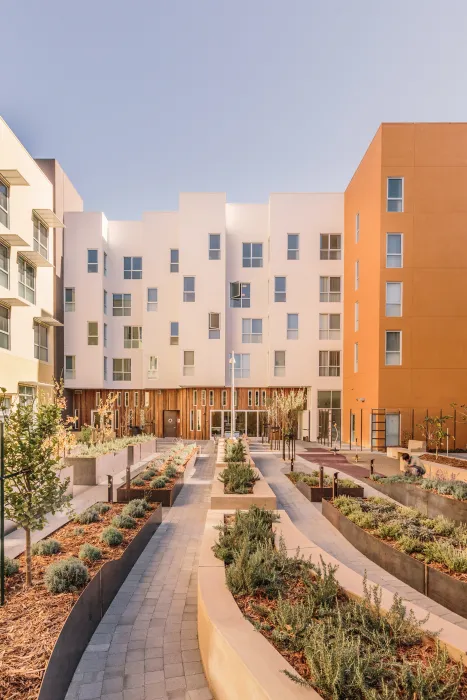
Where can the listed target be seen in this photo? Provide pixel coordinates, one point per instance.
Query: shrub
(88, 552)
(170, 471)
(101, 507)
(78, 531)
(45, 547)
(238, 478)
(85, 436)
(136, 508)
(65, 576)
(146, 476)
(235, 452)
(138, 481)
(124, 521)
(111, 536)
(159, 482)
(11, 566)
(88, 516)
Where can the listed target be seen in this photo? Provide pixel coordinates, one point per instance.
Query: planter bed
(240, 663)
(262, 495)
(429, 579)
(315, 494)
(441, 468)
(87, 469)
(45, 634)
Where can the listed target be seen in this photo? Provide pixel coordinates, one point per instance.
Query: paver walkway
(146, 646)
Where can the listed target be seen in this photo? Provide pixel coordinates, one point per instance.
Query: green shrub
(88, 552)
(111, 536)
(65, 576)
(136, 508)
(11, 566)
(101, 507)
(45, 547)
(235, 452)
(454, 558)
(126, 522)
(138, 481)
(146, 476)
(90, 515)
(170, 471)
(78, 531)
(85, 436)
(238, 478)
(159, 482)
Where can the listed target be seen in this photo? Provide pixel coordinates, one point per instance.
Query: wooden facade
(195, 413)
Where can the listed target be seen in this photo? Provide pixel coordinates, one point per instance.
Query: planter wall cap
(262, 496)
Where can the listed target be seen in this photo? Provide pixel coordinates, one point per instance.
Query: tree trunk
(28, 557)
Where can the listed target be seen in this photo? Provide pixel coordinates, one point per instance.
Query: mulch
(448, 461)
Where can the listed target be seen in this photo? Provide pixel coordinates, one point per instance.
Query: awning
(11, 238)
(49, 218)
(35, 258)
(13, 177)
(47, 320)
(13, 301)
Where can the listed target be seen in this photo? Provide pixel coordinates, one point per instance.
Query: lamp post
(232, 403)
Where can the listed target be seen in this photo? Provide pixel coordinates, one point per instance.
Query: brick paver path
(146, 647)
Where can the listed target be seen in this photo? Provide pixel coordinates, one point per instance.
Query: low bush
(45, 547)
(88, 552)
(90, 515)
(238, 478)
(445, 487)
(78, 531)
(313, 480)
(235, 451)
(66, 576)
(136, 508)
(147, 476)
(138, 481)
(126, 522)
(170, 471)
(11, 566)
(116, 445)
(111, 536)
(159, 482)
(101, 507)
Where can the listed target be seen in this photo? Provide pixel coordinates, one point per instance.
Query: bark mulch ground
(448, 461)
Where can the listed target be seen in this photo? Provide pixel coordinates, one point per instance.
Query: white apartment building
(154, 308)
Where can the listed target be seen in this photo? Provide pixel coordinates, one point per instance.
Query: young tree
(433, 427)
(34, 436)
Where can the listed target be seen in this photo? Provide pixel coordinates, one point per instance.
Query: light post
(232, 403)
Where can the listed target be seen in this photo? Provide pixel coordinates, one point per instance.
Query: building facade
(155, 308)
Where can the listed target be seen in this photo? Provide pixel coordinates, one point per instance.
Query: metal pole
(2, 516)
(372, 466)
(334, 485)
(110, 490)
(321, 477)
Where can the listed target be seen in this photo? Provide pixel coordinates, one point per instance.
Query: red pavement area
(337, 462)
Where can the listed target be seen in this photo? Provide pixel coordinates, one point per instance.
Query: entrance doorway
(171, 424)
(393, 427)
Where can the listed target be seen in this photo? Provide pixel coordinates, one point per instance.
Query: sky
(142, 99)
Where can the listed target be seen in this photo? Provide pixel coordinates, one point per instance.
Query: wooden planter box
(88, 611)
(427, 502)
(438, 586)
(315, 494)
(166, 497)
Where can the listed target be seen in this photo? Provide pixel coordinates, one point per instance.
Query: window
(394, 250)
(41, 345)
(357, 227)
(198, 420)
(174, 260)
(395, 194)
(279, 363)
(211, 397)
(252, 330)
(293, 246)
(26, 281)
(252, 255)
(121, 371)
(356, 316)
(105, 301)
(105, 264)
(126, 398)
(119, 398)
(151, 304)
(136, 399)
(256, 397)
(174, 333)
(132, 268)
(132, 337)
(93, 264)
(240, 295)
(214, 326)
(329, 363)
(153, 367)
(105, 335)
(280, 293)
(4, 202)
(105, 369)
(98, 398)
(192, 420)
(188, 289)
(393, 298)
(121, 304)
(224, 398)
(40, 237)
(329, 288)
(235, 398)
(292, 326)
(214, 246)
(203, 397)
(263, 398)
(146, 399)
(93, 333)
(393, 347)
(242, 366)
(329, 326)
(195, 397)
(69, 299)
(330, 246)
(250, 398)
(4, 265)
(357, 274)
(188, 363)
(26, 394)
(4, 328)
(355, 357)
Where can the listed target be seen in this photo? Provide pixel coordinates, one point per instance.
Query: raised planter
(438, 586)
(437, 470)
(315, 494)
(88, 470)
(427, 502)
(88, 611)
(262, 496)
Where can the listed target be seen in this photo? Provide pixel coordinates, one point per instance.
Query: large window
(329, 363)
(214, 320)
(121, 305)
(132, 337)
(280, 289)
(4, 328)
(4, 204)
(395, 200)
(293, 246)
(151, 304)
(188, 363)
(70, 367)
(132, 268)
(240, 295)
(26, 281)
(393, 347)
(174, 333)
(26, 394)
(329, 288)
(122, 370)
(188, 289)
(40, 238)
(93, 333)
(41, 344)
(394, 250)
(242, 366)
(279, 363)
(330, 246)
(174, 260)
(70, 298)
(4, 266)
(292, 326)
(393, 298)
(252, 330)
(329, 326)
(252, 255)
(214, 246)
(93, 260)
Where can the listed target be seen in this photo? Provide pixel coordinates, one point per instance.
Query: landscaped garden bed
(308, 485)
(441, 459)
(429, 554)
(240, 486)
(334, 646)
(45, 628)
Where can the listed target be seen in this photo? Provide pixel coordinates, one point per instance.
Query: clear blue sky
(141, 99)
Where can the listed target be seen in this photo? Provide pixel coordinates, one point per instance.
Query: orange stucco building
(405, 284)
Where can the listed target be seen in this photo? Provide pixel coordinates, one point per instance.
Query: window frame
(104, 301)
(125, 369)
(151, 305)
(325, 368)
(325, 252)
(189, 295)
(69, 304)
(132, 272)
(355, 358)
(328, 293)
(174, 339)
(250, 257)
(214, 253)
(188, 368)
(292, 333)
(211, 397)
(93, 336)
(105, 368)
(279, 293)
(241, 372)
(41, 350)
(399, 315)
(357, 274)
(6, 334)
(293, 253)
(40, 231)
(132, 342)
(153, 367)
(124, 307)
(250, 336)
(394, 199)
(26, 396)
(401, 254)
(325, 333)
(214, 332)
(5, 212)
(70, 372)
(22, 262)
(356, 316)
(244, 301)
(5, 271)
(105, 263)
(357, 227)
(386, 351)
(174, 264)
(92, 263)
(279, 368)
